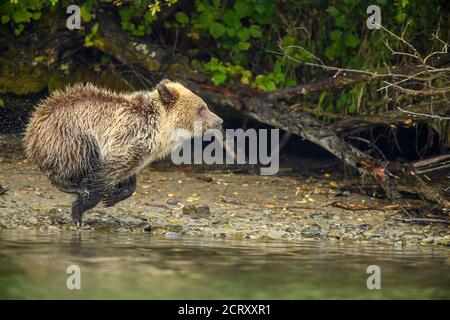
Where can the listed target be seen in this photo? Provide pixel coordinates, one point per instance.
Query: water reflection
(33, 265)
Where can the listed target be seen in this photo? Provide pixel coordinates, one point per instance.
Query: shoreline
(188, 201)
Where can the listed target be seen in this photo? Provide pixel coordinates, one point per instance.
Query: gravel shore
(177, 202)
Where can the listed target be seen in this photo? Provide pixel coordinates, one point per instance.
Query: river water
(33, 264)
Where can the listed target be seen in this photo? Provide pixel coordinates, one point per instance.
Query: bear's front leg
(85, 201)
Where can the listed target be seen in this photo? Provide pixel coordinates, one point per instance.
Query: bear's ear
(167, 94)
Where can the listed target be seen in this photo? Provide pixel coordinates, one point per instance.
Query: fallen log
(432, 164)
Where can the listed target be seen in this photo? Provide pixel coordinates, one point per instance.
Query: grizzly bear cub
(92, 142)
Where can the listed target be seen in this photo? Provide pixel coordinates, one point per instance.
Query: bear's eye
(201, 109)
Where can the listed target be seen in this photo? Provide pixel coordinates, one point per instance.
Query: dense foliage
(245, 39)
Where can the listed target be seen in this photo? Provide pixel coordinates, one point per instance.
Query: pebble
(172, 235)
(364, 226)
(197, 211)
(276, 234)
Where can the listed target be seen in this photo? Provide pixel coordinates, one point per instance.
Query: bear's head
(185, 109)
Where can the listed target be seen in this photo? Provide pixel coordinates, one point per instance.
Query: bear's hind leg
(122, 191)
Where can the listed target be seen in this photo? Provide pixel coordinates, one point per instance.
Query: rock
(364, 226)
(342, 193)
(130, 220)
(172, 235)
(221, 235)
(290, 229)
(204, 177)
(443, 240)
(311, 234)
(334, 234)
(413, 236)
(2, 190)
(173, 201)
(174, 227)
(318, 215)
(276, 234)
(33, 220)
(197, 211)
(53, 211)
(428, 240)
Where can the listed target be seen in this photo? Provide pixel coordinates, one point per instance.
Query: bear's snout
(212, 121)
(217, 123)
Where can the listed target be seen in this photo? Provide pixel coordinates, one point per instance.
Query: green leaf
(231, 32)
(341, 21)
(244, 45)
(352, 107)
(5, 19)
(290, 82)
(268, 85)
(333, 11)
(219, 78)
(137, 32)
(149, 17)
(230, 19)
(2, 103)
(39, 58)
(19, 29)
(205, 19)
(342, 102)
(36, 15)
(288, 41)
(181, 18)
(330, 52)
(243, 34)
(335, 35)
(217, 30)
(260, 7)
(21, 16)
(351, 40)
(255, 31)
(125, 14)
(85, 12)
(94, 29)
(104, 58)
(242, 9)
(264, 18)
(321, 98)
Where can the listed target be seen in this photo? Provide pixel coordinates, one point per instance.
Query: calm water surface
(33, 265)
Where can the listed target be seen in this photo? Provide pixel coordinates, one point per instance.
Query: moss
(82, 73)
(21, 78)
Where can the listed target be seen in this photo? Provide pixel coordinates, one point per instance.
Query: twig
(433, 116)
(424, 220)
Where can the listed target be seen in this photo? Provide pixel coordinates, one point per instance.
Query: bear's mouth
(216, 123)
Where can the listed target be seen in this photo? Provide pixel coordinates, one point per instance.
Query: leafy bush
(241, 39)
